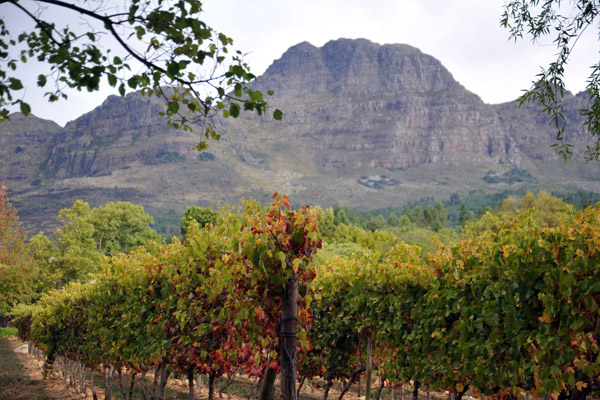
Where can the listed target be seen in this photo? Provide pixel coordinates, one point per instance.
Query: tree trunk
(458, 395)
(164, 377)
(142, 385)
(288, 330)
(65, 370)
(211, 386)
(226, 385)
(120, 379)
(108, 380)
(300, 386)
(381, 386)
(82, 386)
(577, 394)
(351, 381)
(73, 374)
(267, 383)
(415, 394)
(190, 377)
(131, 385)
(369, 367)
(92, 385)
(154, 393)
(327, 387)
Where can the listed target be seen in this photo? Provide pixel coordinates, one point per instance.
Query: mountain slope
(364, 124)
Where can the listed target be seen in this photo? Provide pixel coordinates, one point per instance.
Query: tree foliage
(161, 48)
(17, 273)
(547, 18)
(549, 211)
(202, 215)
(120, 227)
(86, 237)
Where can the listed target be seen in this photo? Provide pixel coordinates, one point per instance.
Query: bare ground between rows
(241, 388)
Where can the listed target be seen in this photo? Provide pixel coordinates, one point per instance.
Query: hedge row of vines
(499, 314)
(208, 306)
(506, 312)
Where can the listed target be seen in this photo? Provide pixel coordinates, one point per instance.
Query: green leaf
(256, 95)
(202, 146)
(234, 110)
(15, 84)
(25, 109)
(41, 80)
(133, 82)
(173, 107)
(278, 115)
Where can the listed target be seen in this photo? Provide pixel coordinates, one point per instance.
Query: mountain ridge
(365, 125)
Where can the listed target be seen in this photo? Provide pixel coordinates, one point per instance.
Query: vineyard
(510, 312)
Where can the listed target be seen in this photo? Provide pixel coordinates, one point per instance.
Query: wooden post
(267, 383)
(415, 395)
(369, 366)
(288, 329)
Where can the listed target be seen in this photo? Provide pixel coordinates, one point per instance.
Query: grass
(14, 385)
(8, 332)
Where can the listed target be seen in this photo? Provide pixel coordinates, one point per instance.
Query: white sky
(465, 35)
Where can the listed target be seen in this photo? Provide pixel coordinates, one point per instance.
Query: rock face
(532, 129)
(391, 106)
(364, 124)
(24, 141)
(119, 132)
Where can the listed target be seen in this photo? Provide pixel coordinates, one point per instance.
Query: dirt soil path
(54, 387)
(32, 368)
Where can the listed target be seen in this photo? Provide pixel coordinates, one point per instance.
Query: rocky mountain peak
(356, 67)
(359, 103)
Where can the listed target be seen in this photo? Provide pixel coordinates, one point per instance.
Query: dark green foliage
(203, 215)
(167, 224)
(377, 181)
(165, 157)
(393, 221)
(345, 215)
(580, 199)
(476, 204)
(513, 176)
(465, 215)
(433, 217)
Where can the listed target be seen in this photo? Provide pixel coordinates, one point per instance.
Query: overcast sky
(465, 35)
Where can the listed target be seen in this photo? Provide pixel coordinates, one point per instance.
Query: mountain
(366, 125)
